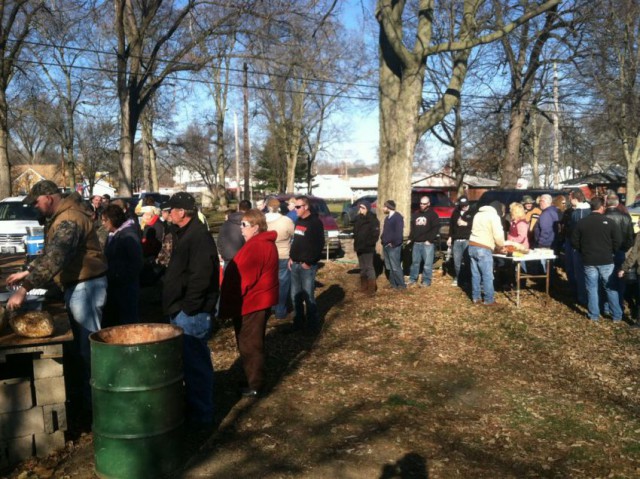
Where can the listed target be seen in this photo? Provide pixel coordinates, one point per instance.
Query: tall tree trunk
(510, 164)
(5, 171)
(148, 150)
(458, 170)
(126, 153)
(535, 158)
(221, 190)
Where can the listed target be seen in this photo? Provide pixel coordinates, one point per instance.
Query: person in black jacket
(423, 232)
(124, 258)
(306, 251)
(623, 223)
(459, 232)
(191, 285)
(597, 239)
(366, 230)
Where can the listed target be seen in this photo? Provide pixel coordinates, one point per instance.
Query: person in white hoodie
(487, 235)
(284, 227)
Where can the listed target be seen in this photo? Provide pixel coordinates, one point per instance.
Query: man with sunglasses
(306, 251)
(423, 232)
(189, 298)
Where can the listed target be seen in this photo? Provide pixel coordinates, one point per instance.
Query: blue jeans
(481, 274)
(601, 276)
(458, 248)
(393, 263)
(422, 252)
(303, 285)
(284, 277)
(198, 369)
(84, 302)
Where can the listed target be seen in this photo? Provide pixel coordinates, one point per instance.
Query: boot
(363, 284)
(372, 287)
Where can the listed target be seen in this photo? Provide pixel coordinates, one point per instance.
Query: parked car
(350, 211)
(331, 229)
(15, 217)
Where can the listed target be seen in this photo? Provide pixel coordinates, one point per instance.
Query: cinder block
(15, 394)
(48, 443)
(50, 391)
(21, 423)
(15, 450)
(47, 368)
(55, 418)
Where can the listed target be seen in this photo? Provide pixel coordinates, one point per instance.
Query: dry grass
(425, 384)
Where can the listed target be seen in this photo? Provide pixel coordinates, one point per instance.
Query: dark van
(508, 196)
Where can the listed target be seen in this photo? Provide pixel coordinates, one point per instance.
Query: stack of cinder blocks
(33, 417)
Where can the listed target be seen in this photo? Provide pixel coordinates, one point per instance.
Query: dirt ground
(420, 384)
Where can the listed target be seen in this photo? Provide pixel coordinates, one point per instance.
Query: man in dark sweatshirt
(597, 239)
(391, 239)
(423, 232)
(459, 232)
(306, 251)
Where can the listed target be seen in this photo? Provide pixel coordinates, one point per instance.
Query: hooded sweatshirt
(283, 226)
(486, 231)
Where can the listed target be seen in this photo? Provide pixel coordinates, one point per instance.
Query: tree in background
(611, 69)
(156, 40)
(402, 75)
(17, 20)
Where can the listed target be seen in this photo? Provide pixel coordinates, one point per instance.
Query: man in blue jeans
(73, 256)
(486, 236)
(597, 238)
(391, 239)
(423, 232)
(190, 292)
(306, 251)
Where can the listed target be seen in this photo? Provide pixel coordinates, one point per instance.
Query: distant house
(612, 178)
(23, 177)
(474, 186)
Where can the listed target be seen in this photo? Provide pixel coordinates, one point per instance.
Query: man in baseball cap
(41, 188)
(73, 257)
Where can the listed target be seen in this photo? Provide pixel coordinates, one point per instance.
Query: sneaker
(454, 282)
(412, 284)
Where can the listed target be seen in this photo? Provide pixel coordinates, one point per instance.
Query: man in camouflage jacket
(72, 257)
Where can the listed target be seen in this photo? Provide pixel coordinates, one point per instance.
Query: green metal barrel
(138, 400)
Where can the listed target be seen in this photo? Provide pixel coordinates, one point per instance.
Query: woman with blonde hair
(519, 228)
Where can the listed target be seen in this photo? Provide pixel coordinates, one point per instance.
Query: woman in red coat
(249, 290)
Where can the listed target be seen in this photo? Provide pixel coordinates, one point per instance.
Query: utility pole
(237, 144)
(556, 130)
(245, 135)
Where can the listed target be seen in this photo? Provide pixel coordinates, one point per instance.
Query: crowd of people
(101, 253)
(266, 259)
(596, 239)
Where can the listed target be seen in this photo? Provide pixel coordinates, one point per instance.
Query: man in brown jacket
(72, 257)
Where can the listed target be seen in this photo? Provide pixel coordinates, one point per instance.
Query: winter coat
(366, 230)
(192, 277)
(250, 281)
